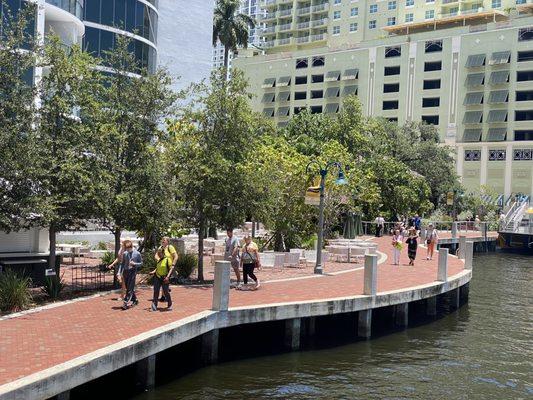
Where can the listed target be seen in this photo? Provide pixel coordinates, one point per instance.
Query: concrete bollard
(462, 245)
(292, 333)
(209, 350)
(364, 324)
(371, 275)
(401, 315)
(442, 274)
(454, 230)
(469, 254)
(221, 286)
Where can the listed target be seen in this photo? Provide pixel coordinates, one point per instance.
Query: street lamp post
(341, 180)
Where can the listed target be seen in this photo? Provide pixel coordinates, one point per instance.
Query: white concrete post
(292, 333)
(469, 254)
(462, 245)
(454, 230)
(371, 275)
(442, 274)
(221, 286)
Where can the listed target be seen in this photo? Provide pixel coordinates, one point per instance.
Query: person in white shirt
(380, 225)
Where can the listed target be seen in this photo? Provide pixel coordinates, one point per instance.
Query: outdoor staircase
(515, 215)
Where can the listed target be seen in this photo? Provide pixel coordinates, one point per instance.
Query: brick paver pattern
(40, 340)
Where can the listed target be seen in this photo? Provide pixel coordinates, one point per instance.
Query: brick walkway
(39, 340)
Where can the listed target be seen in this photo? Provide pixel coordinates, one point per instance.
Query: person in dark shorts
(250, 260)
(162, 273)
(412, 245)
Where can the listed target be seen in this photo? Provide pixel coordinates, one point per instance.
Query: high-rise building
(136, 19)
(252, 9)
(465, 66)
(184, 44)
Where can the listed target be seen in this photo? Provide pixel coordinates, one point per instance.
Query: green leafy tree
(212, 141)
(137, 192)
(17, 117)
(230, 28)
(67, 134)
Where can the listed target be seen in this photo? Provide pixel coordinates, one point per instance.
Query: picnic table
(72, 248)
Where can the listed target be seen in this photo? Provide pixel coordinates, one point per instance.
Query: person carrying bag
(162, 273)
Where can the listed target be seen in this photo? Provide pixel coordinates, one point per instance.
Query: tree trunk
(253, 228)
(201, 230)
(226, 61)
(52, 257)
(117, 234)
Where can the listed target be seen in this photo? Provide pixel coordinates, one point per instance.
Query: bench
(33, 265)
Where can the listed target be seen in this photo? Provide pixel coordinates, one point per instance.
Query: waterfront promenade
(37, 342)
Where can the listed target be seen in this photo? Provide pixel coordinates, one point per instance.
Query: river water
(483, 351)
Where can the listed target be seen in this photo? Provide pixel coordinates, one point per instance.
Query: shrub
(186, 265)
(309, 243)
(101, 246)
(14, 291)
(53, 286)
(149, 262)
(108, 258)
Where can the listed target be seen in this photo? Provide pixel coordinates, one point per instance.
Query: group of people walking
(245, 258)
(129, 260)
(410, 237)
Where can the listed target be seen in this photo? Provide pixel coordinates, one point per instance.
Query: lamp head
(341, 179)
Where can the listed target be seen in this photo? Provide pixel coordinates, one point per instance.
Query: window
(430, 102)
(433, 46)
(409, 3)
(319, 61)
(337, 2)
(317, 78)
(336, 30)
(523, 135)
(522, 76)
(336, 15)
(472, 155)
(392, 5)
(353, 27)
(393, 119)
(525, 56)
(525, 34)
(316, 109)
(409, 17)
(390, 105)
(432, 84)
(373, 8)
(269, 112)
(391, 21)
(430, 14)
(354, 12)
(301, 63)
(395, 51)
(522, 154)
(300, 80)
(430, 119)
(317, 94)
(521, 1)
(433, 66)
(391, 87)
(300, 95)
(496, 3)
(372, 24)
(524, 115)
(394, 70)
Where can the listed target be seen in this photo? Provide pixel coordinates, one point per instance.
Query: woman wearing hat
(412, 244)
(432, 238)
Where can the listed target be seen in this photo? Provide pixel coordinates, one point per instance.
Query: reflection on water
(483, 351)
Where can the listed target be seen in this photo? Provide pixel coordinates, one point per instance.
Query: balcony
(75, 7)
(268, 3)
(448, 3)
(285, 13)
(285, 27)
(318, 38)
(324, 7)
(447, 20)
(303, 11)
(284, 42)
(302, 39)
(269, 30)
(319, 22)
(268, 17)
(303, 25)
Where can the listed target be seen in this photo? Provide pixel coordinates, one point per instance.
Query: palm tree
(230, 27)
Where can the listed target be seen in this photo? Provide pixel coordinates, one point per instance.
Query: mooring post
(221, 286)
(469, 254)
(442, 273)
(454, 230)
(209, 351)
(292, 333)
(431, 306)
(364, 324)
(371, 275)
(146, 372)
(462, 245)
(401, 315)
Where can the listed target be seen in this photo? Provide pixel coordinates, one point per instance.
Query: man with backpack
(168, 251)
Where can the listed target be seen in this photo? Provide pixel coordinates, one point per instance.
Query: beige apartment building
(465, 66)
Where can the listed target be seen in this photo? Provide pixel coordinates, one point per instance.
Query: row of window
(499, 155)
(496, 116)
(129, 15)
